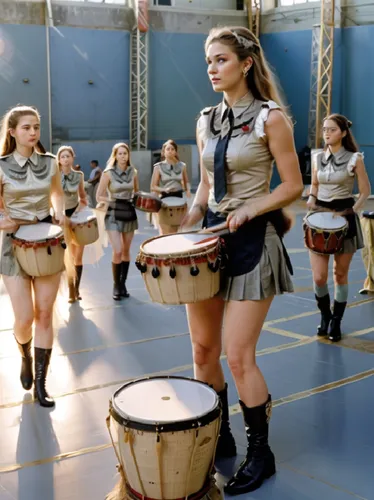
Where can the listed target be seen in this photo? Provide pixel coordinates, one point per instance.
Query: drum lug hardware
(49, 251)
(213, 266)
(142, 267)
(63, 244)
(194, 271)
(155, 272)
(172, 273)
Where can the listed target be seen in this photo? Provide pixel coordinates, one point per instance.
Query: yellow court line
(171, 371)
(234, 409)
(111, 346)
(312, 313)
(286, 333)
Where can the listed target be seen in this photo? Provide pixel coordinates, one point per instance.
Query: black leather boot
(335, 333)
(42, 359)
(72, 294)
(259, 463)
(116, 270)
(226, 447)
(323, 304)
(124, 272)
(78, 270)
(26, 377)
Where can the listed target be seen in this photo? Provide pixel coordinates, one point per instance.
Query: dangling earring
(246, 71)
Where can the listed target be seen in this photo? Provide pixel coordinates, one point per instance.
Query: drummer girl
(75, 199)
(120, 179)
(238, 141)
(29, 184)
(170, 178)
(333, 177)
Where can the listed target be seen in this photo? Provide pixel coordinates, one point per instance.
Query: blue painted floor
(322, 430)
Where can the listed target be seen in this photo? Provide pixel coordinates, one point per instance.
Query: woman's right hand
(311, 203)
(192, 217)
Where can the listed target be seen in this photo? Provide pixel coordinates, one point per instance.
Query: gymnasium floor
(322, 428)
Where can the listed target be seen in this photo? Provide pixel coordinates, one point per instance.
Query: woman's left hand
(188, 194)
(238, 217)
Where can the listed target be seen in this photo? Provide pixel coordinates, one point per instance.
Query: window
(285, 3)
(164, 3)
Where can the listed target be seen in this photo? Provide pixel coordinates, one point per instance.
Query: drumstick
(215, 229)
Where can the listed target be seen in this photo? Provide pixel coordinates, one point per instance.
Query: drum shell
(85, 233)
(45, 259)
(175, 458)
(147, 203)
(323, 241)
(172, 215)
(185, 287)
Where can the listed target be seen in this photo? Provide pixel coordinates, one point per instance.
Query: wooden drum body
(84, 228)
(178, 269)
(324, 232)
(40, 249)
(147, 202)
(172, 212)
(167, 430)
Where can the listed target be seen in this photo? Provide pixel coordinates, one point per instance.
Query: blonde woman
(119, 180)
(170, 178)
(30, 184)
(75, 199)
(238, 141)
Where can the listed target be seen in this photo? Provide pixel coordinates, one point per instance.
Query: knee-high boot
(323, 304)
(259, 463)
(226, 446)
(42, 359)
(116, 270)
(335, 333)
(124, 272)
(26, 377)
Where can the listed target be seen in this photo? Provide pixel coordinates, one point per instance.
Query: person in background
(93, 182)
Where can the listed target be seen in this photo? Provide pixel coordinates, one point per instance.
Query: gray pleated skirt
(270, 277)
(112, 224)
(8, 263)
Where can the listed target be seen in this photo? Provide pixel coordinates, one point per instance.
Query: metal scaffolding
(321, 72)
(139, 90)
(254, 16)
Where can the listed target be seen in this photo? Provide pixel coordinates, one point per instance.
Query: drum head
(143, 194)
(175, 403)
(326, 220)
(173, 201)
(39, 232)
(82, 217)
(178, 243)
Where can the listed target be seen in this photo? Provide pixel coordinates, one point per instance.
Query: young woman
(121, 180)
(170, 179)
(333, 177)
(75, 199)
(239, 140)
(29, 184)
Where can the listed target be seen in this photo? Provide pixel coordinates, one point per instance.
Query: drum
(167, 430)
(40, 249)
(172, 212)
(147, 202)
(84, 227)
(324, 232)
(178, 269)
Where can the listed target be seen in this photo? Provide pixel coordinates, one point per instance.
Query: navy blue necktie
(220, 184)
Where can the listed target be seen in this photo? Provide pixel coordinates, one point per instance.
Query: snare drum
(40, 249)
(147, 202)
(84, 227)
(178, 269)
(167, 430)
(172, 212)
(324, 232)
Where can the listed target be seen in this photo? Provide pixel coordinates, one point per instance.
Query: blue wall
(93, 117)
(179, 86)
(24, 55)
